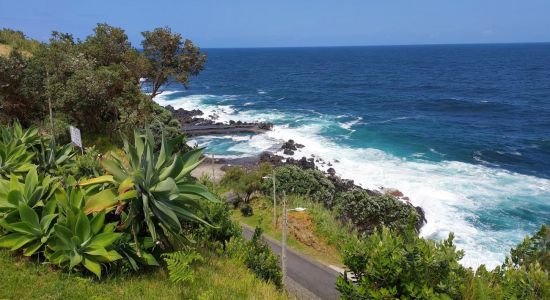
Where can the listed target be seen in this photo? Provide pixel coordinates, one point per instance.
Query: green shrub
(246, 210)
(259, 258)
(389, 265)
(242, 181)
(311, 183)
(88, 164)
(223, 229)
(366, 212)
(535, 249)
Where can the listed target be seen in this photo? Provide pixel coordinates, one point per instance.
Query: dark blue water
(463, 129)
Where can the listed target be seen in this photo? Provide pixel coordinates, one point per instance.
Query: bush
(312, 183)
(366, 212)
(88, 165)
(535, 249)
(259, 258)
(223, 229)
(245, 182)
(246, 210)
(388, 265)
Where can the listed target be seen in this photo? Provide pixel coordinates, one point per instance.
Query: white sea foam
(451, 193)
(348, 125)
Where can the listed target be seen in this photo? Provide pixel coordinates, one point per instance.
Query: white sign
(75, 136)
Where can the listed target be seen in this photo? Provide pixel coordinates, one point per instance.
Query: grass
(5, 50)
(216, 278)
(328, 232)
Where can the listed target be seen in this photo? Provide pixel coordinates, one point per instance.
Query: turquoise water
(463, 130)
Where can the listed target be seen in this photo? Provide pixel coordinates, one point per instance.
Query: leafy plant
(15, 133)
(34, 191)
(53, 159)
(390, 265)
(259, 258)
(179, 265)
(80, 241)
(14, 159)
(156, 185)
(311, 183)
(367, 213)
(535, 249)
(246, 210)
(136, 257)
(30, 232)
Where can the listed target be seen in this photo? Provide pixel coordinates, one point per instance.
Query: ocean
(462, 130)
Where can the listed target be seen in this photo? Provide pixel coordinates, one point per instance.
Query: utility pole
(213, 173)
(274, 200)
(283, 250)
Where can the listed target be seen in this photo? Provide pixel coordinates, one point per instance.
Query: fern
(179, 265)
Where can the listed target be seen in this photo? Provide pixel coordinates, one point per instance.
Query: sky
(292, 23)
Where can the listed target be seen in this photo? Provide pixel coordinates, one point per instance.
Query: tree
(171, 59)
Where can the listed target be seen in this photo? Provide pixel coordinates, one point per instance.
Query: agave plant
(29, 232)
(53, 159)
(27, 137)
(34, 191)
(156, 186)
(83, 242)
(14, 158)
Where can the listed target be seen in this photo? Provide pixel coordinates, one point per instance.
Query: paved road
(313, 276)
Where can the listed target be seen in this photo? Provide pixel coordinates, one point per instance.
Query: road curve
(318, 279)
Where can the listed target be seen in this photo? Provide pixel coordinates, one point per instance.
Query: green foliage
(311, 183)
(366, 212)
(223, 229)
(80, 241)
(171, 59)
(17, 40)
(259, 258)
(53, 159)
(34, 191)
(136, 257)
(535, 249)
(158, 183)
(15, 149)
(87, 165)
(246, 210)
(30, 231)
(179, 265)
(163, 122)
(243, 182)
(387, 265)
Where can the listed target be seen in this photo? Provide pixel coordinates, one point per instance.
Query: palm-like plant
(156, 186)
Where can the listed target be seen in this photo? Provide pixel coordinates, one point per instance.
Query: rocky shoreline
(194, 123)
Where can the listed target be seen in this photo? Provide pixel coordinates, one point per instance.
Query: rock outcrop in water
(193, 124)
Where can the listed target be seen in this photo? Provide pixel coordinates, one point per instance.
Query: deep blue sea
(463, 130)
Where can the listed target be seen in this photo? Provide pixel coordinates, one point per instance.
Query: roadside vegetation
(376, 238)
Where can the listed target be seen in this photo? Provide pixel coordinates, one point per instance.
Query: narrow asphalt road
(313, 276)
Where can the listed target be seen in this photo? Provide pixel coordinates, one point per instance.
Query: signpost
(76, 139)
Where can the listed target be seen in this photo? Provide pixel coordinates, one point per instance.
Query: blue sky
(262, 23)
